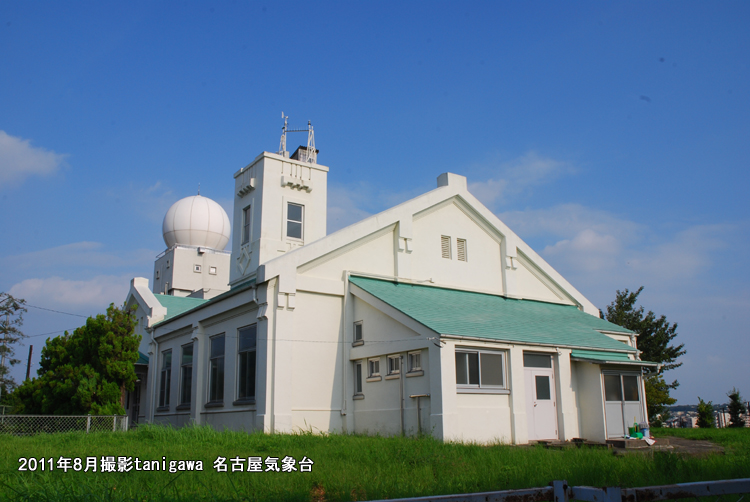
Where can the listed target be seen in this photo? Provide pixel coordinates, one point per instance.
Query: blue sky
(613, 137)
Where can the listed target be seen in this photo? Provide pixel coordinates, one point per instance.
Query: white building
(431, 316)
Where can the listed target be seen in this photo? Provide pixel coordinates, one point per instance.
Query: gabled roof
(176, 305)
(481, 315)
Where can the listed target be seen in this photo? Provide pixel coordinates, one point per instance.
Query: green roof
(176, 305)
(480, 315)
(600, 357)
(142, 358)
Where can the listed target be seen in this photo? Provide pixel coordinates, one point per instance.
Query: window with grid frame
(186, 374)
(166, 378)
(394, 364)
(480, 369)
(373, 367)
(216, 369)
(247, 357)
(415, 361)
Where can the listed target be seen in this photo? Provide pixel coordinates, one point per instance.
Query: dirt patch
(693, 447)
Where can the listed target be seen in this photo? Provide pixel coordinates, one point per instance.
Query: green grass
(347, 467)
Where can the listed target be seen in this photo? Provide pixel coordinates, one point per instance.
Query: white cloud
(96, 293)
(18, 159)
(343, 209)
(517, 176)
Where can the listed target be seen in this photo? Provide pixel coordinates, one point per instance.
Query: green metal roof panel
(142, 358)
(481, 315)
(599, 356)
(176, 305)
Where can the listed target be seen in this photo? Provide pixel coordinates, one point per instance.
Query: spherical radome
(196, 221)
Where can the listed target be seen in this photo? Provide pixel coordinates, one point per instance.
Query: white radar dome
(196, 221)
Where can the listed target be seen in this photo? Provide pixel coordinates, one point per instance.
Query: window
(373, 368)
(166, 378)
(247, 345)
(246, 219)
(167, 263)
(216, 365)
(157, 274)
(212, 270)
(445, 244)
(186, 374)
(294, 214)
(480, 368)
(461, 249)
(415, 361)
(197, 269)
(394, 365)
(358, 378)
(358, 333)
(531, 360)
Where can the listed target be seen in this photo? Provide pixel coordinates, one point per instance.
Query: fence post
(88, 423)
(561, 490)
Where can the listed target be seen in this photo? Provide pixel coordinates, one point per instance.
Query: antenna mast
(311, 154)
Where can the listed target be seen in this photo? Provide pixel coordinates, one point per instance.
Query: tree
(654, 342)
(87, 371)
(705, 414)
(11, 320)
(736, 409)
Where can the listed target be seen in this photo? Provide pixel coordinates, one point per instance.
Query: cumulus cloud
(96, 293)
(19, 160)
(516, 177)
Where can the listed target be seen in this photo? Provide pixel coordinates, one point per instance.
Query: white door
(622, 402)
(541, 407)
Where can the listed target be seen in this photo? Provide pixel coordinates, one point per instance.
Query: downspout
(345, 352)
(152, 379)
(401, 388)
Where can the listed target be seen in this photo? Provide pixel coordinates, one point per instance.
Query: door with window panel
(541, 405)
(622, 402)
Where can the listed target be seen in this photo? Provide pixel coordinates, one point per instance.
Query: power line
(56, 311)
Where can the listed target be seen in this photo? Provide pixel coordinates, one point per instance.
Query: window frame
(358, 381)
(247, 218)
(394, 365)
(480, 388)
(301, 221)
(373, 367)
(245, 352)
(411, 368)
(358, 326)
(186, 370)
(215, 391)
(165, 382)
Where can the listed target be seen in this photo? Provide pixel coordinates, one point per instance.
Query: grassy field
(344, 468)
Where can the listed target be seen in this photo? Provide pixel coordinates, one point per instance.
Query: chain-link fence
(28, 425)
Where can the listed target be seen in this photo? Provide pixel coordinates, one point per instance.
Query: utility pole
(28, 364)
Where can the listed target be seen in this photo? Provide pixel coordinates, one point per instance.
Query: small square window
(394, 365)
(212, 270)
(197, 269)
(373, 368)
(415, 361)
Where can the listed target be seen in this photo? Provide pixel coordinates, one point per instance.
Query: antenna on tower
(199, 188)
(282, 145)
(311, 154)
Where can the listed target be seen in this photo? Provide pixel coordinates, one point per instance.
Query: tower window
(246, 218)
(294, 215)
(197, 269)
